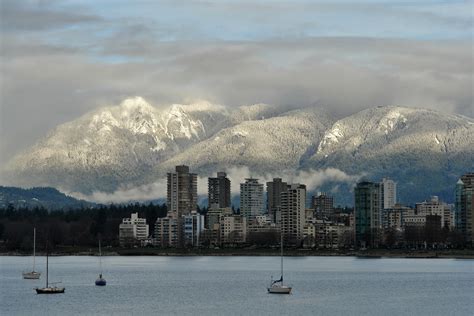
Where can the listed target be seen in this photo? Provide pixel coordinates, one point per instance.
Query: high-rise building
(181, 196)
(219, 191)
(465, 206)
(293, 206)
(133, 229)
(251, 198)
(388, 189)
(323, 205)
(182, 191)
(274, 190)
(367, 211)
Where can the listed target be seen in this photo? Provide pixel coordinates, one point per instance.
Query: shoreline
(369, 254)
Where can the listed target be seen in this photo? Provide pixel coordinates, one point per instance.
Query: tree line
(75, 228)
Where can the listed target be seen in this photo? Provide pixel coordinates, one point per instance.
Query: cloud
(313, 179)
(142, 193)
(343, 75)
(18, 15)
(60, 61)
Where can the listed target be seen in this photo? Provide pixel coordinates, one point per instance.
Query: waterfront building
(233, 229)
(193, 228)
(465, 207)
(213, 216)
(367, 213)
(219, 191)
(251, 198)
(330, 235)
(293, 207)
(436, 207)
(411, 218)
(394, 217)
(132, 230)
(166, 231)
(182, 191)
(323, 205)
(261, 230)
(388, 193)
(274, 190)
(181, 196)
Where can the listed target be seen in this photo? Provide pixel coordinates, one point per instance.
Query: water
(237, 286)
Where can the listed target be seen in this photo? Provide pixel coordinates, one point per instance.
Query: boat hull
(33, 275)
(50, 290)
(100, 282)
(279, 290)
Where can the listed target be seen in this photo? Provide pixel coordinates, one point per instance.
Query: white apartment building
(436, 207)
(132, 229)
(388, 194)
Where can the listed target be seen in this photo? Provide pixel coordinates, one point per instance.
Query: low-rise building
(133, 230)
(193, 227)
(166, 232)
(233, 229)
(436, 207)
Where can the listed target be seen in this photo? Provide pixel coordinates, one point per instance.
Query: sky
(62, 59)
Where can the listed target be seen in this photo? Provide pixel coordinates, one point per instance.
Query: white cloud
(313, 179)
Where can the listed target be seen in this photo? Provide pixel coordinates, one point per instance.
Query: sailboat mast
(100, 257)
(281, 255)
(34, 247)
(47, 264)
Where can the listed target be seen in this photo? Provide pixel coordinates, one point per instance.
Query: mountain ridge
(134, 143)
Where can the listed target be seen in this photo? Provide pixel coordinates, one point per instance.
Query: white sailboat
(277, 286)
(32, 275)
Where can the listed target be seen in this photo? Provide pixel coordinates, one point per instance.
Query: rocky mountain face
(134, 143)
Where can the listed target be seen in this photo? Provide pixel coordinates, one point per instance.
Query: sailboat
(100, 280)
(33, 275)
(277, 286)
(49, 289)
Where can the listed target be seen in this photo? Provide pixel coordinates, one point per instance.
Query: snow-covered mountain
(134, 143)
(426, 151)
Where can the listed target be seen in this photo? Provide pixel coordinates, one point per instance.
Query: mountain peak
(134, 103)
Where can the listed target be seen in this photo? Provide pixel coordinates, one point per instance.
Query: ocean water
(237, 286)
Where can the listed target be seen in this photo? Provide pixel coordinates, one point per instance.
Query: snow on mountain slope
(114, 145)
(419, 148)
(134, 143)
(265, 145)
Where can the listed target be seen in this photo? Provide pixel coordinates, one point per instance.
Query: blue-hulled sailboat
(100, 281)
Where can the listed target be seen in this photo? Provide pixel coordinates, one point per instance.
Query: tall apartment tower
(293, 206)
(465, 206)
(182, 191)
(219, 191)
(388, 189)
(274, 190)
(368, 213)
(251, 198)
(323, 205)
